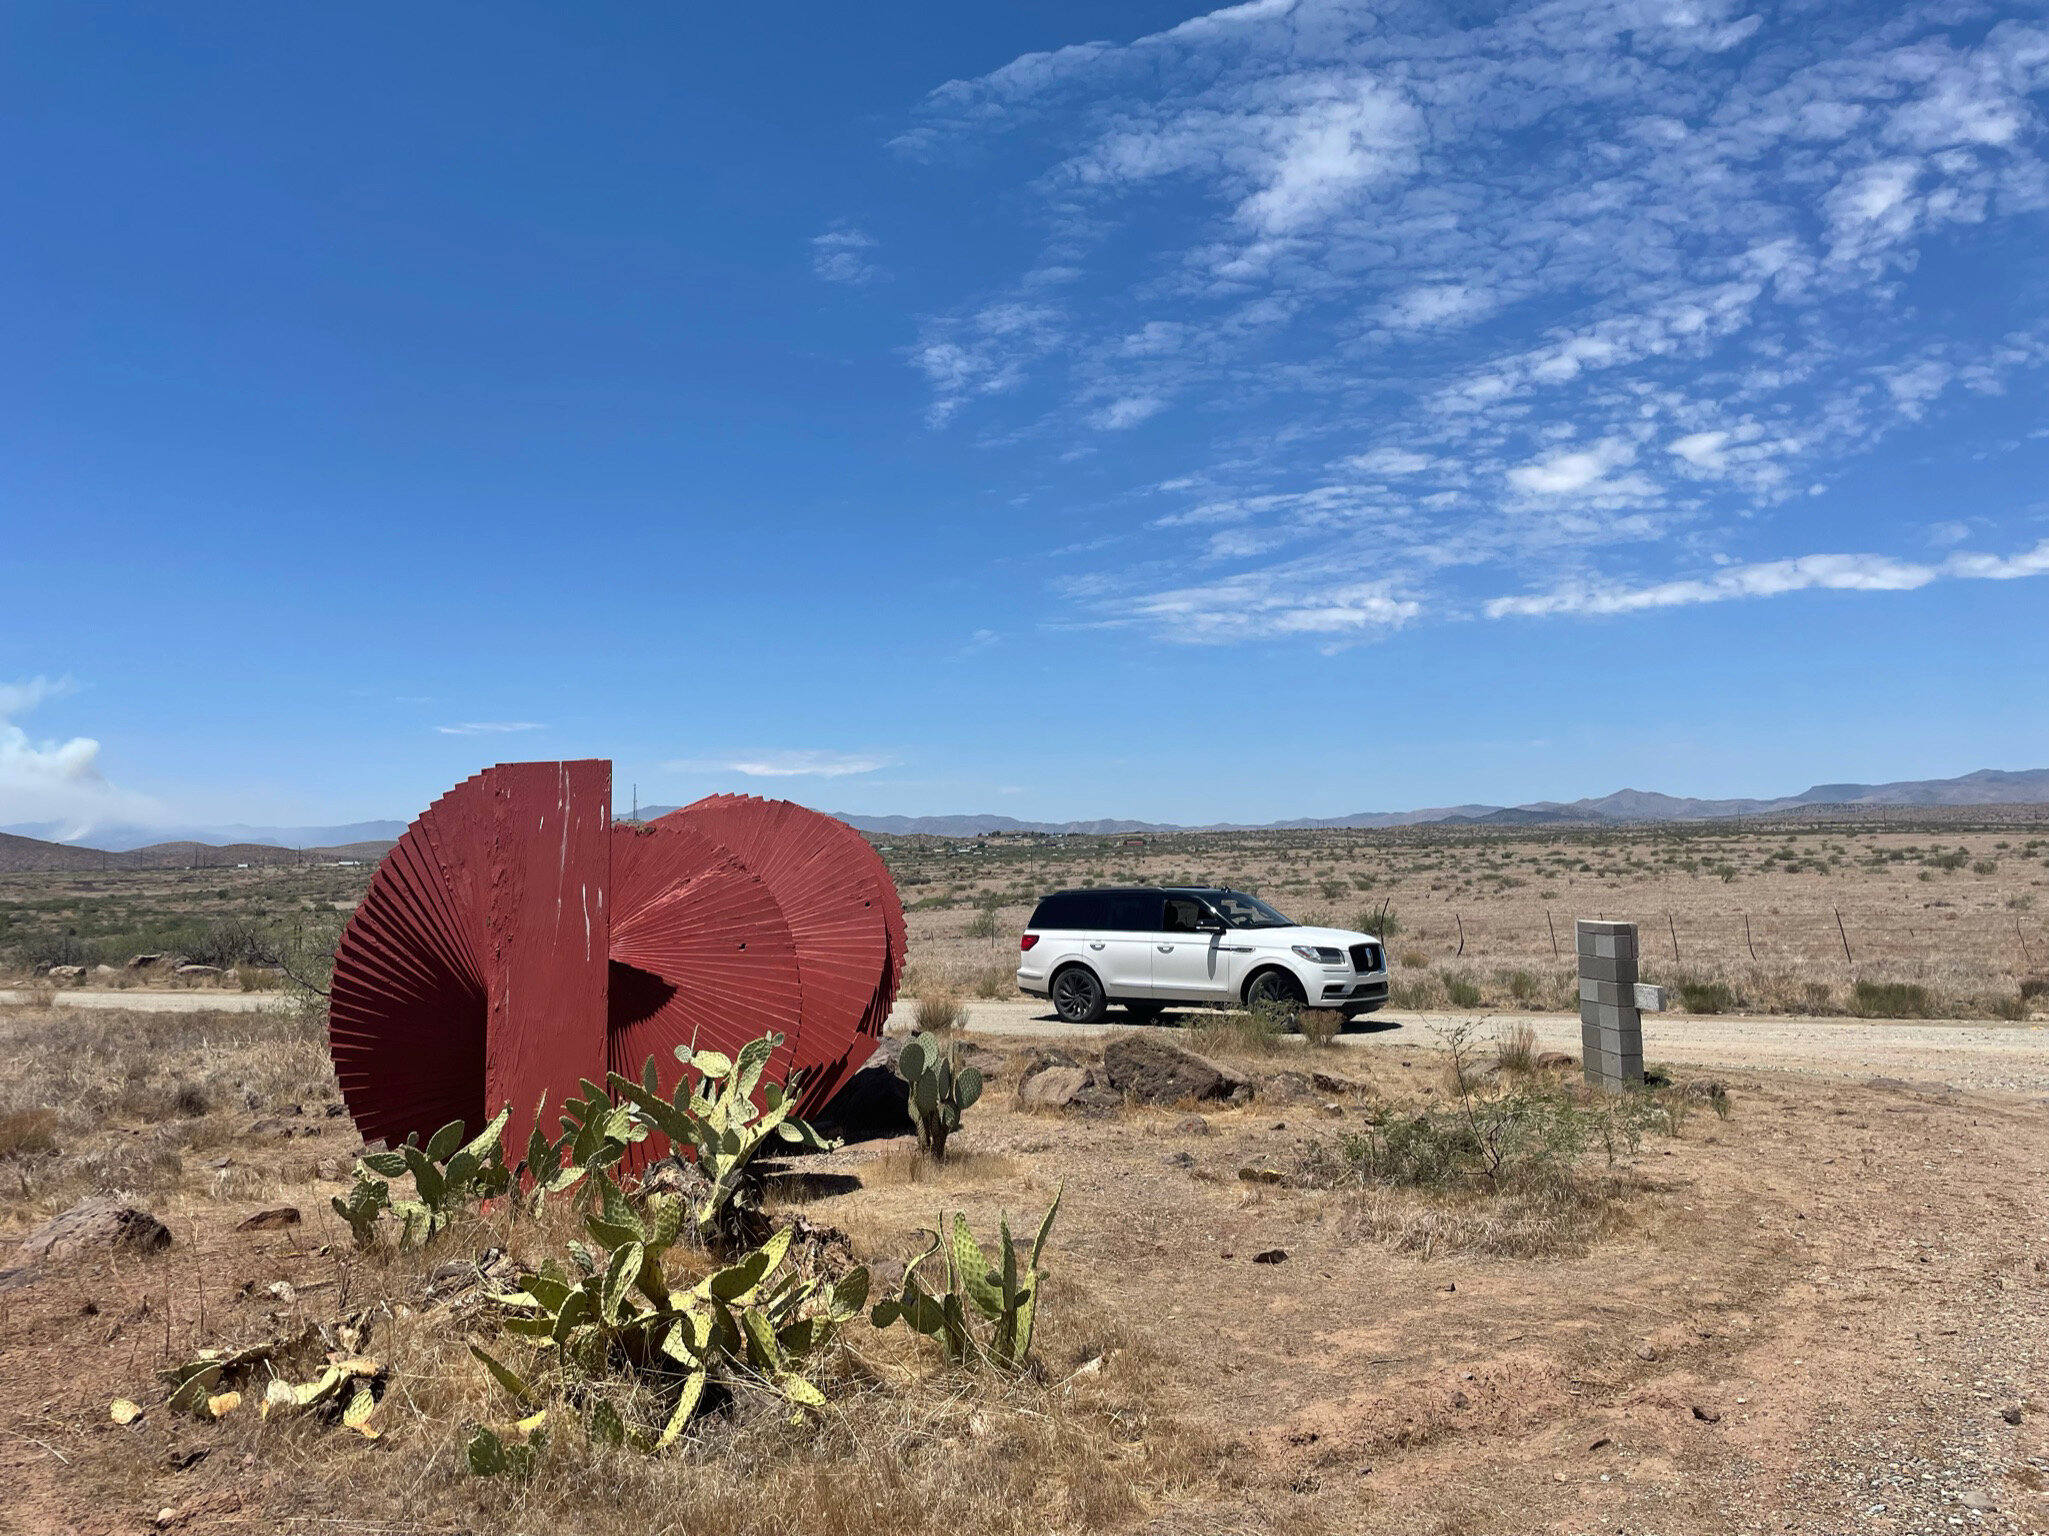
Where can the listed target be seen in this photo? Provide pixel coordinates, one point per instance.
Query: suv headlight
(1320, 954)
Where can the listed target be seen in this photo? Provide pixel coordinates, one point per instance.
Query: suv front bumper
(1368, 993)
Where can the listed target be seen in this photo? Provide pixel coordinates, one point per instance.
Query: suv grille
(1365, 957)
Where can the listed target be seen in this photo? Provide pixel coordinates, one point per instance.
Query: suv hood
(1333, 938)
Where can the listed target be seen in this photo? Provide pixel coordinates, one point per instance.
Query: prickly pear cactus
(941, 1090)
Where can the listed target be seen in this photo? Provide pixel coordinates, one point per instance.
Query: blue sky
(1292, 409)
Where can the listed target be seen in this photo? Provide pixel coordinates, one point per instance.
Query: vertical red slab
(548, 935)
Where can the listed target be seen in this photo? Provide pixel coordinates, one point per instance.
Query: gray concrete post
(1610, 1021)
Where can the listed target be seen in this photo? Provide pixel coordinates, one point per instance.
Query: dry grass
(1515, 1047)
(1555, 1215)
(955, 1171)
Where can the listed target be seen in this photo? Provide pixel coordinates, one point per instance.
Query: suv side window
(1183, 915)
(1130, 912)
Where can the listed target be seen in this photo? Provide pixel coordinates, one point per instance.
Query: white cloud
(1306, 602)
(784, 765)
(1570, 471)
(1774, 578)
(53, 781)
(1598, 272)
(841, 256)
(490, 727)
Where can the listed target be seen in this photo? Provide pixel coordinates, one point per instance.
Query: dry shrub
(938, 1013)
(28, 1133)
(1254, 1035)
(1515, 1047)
(994, 981)
(1321, 1026)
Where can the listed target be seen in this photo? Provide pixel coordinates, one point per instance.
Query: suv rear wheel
(1078, 996)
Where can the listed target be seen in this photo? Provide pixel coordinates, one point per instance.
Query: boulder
(94, 1224)
(1286, 1087)
(198, 970)
(1334, 1082)
(1148, 1070)
(65, 972)
(1561, 1060)
(142, 960)
(1053, 1087)
(1192, 1125)
(271, 1220)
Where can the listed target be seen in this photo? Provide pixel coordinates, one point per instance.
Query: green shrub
(1706, 996)
(1463, 991)
(1892, 1000)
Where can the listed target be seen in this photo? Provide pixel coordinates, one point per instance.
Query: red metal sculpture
(517, 940)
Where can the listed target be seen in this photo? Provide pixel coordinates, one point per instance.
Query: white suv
(1172, 947)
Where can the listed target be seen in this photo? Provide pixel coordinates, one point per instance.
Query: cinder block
(1607, 970)
(1615, 994)
(1605, 940)
(1608, 925)
(1609, 1015)
(1650, 999)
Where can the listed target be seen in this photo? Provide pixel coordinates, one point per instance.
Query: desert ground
(1801, 1283)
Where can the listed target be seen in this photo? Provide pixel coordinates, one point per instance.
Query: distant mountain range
(119, 839)
(21, 848)
(1988, 786)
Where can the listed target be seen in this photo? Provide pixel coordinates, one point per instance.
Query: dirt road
(136, 1000)
(1971, 1055)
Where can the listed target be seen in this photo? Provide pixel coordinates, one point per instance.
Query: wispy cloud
(1437, 355)
(490, 727)
(784, 765)
(1774, 578)
(845, 256)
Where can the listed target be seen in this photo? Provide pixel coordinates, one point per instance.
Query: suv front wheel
(1078, 996)
(1275, 991)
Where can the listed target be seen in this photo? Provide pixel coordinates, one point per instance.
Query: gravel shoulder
(1968, 1054)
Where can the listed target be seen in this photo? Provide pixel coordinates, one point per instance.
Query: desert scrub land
(1323, 1291)
(1943, 914)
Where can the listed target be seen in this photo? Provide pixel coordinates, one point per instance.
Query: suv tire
(1276, 989)
(1078, 996)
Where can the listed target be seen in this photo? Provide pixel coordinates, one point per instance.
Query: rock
(1560, 1060)
(330, 1168)
(103, 970)
(1332, 1110)
(1241, 1093)
(93, 1224)
(1253, 1175)
(1179, 1160)
(197, 970)
(270, 1127)
(885, 1276)
(874, 1104)
(1148, 1070)
(1192, 1125)
(1335, 1082)
(1707, 1415)
(1978, 1499)
(271, 1220)
(142, 960)
(1286, 1087)
(1646, 1352)
(1271, 1256)
(2011, 1413)
(1053, 1088)
(65, 972)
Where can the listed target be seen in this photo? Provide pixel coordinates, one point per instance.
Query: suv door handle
(1237, 949)
(1095, 943)
(1165, 949)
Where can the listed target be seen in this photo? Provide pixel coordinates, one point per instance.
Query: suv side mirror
(1209, 922)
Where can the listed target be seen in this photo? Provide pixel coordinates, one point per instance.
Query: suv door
(1187, 962)
(1122, 947)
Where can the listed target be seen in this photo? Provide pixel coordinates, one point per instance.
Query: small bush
(1706, 996)
(190, 1100)
(1522, 986)
(1239, 1033)
(1892, 1000)
(994, 981)
(1985, 867)
(1516, 1048)
(1383, 923)
(28, 1133)
(1463, 991)
(1320, 1026)
(937, 1013)
(985, 924)
(1414, 959)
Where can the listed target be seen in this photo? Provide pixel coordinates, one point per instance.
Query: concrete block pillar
(1610, 1023)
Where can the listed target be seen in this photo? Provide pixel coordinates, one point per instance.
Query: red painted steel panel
(548, 847)
(839, 914)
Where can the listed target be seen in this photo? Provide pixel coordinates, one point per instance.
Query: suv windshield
(1242, 911)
